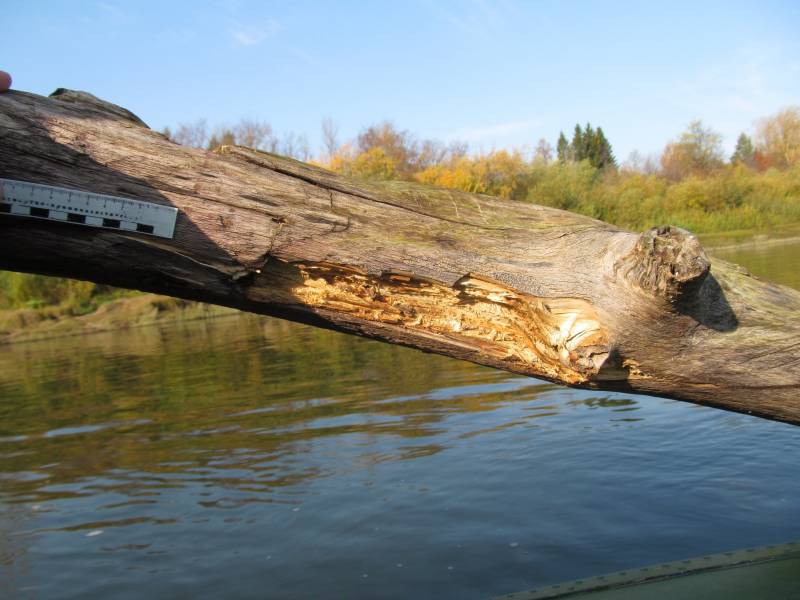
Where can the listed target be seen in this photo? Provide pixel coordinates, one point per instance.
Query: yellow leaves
(340, 162)
(375, 163)
(500, 173)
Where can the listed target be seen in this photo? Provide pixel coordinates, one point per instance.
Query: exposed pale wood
(520, 287)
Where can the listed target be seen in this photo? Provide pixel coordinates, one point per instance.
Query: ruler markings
(25, 199)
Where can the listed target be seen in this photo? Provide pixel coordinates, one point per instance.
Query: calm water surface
(251, 458)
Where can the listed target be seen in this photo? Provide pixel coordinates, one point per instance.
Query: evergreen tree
(576, 147)
(744, 152)
(562, 148)
(603, 156)
(587, 144)
(586, 151)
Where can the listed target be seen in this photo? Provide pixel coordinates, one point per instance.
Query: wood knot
(668, 262)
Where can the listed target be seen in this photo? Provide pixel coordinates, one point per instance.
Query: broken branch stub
(668, 262)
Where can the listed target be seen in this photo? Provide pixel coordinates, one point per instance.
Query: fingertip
(5, 81)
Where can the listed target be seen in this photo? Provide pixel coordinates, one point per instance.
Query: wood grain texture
(520, 287)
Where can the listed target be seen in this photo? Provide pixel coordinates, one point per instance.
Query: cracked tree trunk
(525, 288)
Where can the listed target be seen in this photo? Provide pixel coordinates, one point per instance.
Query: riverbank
(30, 324)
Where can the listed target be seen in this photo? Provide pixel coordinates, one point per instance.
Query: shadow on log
(520, 287)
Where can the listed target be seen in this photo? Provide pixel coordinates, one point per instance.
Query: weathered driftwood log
(524, 288)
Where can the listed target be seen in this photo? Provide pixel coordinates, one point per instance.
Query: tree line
(384, 151)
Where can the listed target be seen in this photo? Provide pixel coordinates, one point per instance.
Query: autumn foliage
(691, 185)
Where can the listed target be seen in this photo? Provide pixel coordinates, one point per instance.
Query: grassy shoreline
(34, 324)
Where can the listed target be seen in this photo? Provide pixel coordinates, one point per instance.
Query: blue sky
(495, 74)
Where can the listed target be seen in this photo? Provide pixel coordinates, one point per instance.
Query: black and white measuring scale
(24, 199)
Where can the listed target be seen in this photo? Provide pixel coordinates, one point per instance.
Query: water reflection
(778, 261)
(224, 397)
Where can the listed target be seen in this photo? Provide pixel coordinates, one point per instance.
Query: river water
(246, 457)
